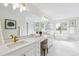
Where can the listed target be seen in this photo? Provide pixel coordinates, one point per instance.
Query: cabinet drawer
(21, 51)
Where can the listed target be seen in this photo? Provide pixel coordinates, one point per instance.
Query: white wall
(7, 13)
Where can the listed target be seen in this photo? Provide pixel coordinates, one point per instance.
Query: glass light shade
(17, 5)
(57, 25)
(44, 18)
(24, 8)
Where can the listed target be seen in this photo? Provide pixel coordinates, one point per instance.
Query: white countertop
(5, 50)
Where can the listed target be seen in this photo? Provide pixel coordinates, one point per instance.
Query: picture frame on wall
(10, 24)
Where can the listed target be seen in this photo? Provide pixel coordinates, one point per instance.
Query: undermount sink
(18, 43)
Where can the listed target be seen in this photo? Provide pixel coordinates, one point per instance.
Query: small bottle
(40, 33)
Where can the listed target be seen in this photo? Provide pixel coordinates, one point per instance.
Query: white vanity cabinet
(35, 51)
(28, 50)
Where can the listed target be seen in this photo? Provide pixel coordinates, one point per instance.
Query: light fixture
(21, 10)
(6, 4)
(57, 25)
(45, 18)
(20, 6)
(24, 8)
(15, 6)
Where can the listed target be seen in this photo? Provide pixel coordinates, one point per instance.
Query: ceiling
(32, 13)
(58, 10)
(53, 11)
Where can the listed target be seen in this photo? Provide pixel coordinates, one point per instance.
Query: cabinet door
(30, 53)
(37, 49)
(50, 41)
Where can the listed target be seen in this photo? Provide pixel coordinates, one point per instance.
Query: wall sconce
(22, 7)
(15, 6)
(6, 4)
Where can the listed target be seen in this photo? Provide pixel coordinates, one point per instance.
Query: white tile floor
(64, 48)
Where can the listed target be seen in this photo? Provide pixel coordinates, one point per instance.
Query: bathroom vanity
(24, 50)
(26, 47)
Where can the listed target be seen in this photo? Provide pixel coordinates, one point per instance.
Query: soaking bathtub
(68, 46)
